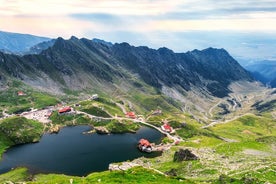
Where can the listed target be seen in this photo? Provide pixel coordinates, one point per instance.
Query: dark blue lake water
(73, 153)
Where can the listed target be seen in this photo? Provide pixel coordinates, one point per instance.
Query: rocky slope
(192, 82)
(81, 63)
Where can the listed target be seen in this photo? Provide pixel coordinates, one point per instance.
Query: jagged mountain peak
(212, 49)
(96, 40)
(165, 50)
(73, 38)
(211, 69)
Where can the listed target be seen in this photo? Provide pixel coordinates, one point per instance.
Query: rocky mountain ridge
(79, 60)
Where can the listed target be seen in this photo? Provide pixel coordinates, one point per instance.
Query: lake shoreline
(122, 146)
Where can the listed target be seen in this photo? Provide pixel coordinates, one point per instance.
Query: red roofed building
(166, 127)
(131, 115)
(65, 109)
(144, 142)
(21, 93)
(144, 145)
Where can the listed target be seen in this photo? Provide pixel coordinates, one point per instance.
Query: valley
(215, 110)
(238, 144)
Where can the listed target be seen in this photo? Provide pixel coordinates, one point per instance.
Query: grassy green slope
(134, 175)
(18, 130)
(238, 151)
(12, 103)
(17, 175)
(243, 149)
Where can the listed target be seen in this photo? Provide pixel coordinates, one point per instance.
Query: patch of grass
(248, 120)
(208, 171)
(42, 100)
(17, 104)
(70, 119)
(267, 139)
(113, 110)
(82, 120)
(118, 127)
(96, 111)
(263, 175)
(188, 131)
(105, 101)
(115, 126)
(20, 130)
(182, 168)
(234, 147)
(224, 179)
(246, 128)
(64, 119)
(202, 141)
(134, 175)
(153, 102)
(4, 143)
(16, 175)
(19, 109)
(166, 140)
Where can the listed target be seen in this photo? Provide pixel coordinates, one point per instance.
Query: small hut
(64, 110)
(21, 93)
(167, 128)
(144, 145)
(131, 115)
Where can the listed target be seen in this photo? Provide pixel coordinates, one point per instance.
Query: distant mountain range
(18, 43)
(264, 71)
(81, 64)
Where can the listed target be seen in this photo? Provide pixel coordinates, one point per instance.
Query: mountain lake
(71, 152)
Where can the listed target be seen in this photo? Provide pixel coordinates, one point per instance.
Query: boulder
(54, 129)
(172, 172)
(122, 166)
(101, 130)
(184, 155)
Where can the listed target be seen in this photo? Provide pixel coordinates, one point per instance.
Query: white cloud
(152, 22)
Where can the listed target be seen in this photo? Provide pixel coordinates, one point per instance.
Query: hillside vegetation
(12, 103)
(218, 112)
(242, 150)
(19, 130)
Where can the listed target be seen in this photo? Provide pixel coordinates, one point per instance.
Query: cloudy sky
(246, 28)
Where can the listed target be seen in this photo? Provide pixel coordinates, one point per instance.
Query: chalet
(167, 128)
(144, 145)
(131, 115)
(95, 97)
(64, 110)
(21, 93)
(157, 112)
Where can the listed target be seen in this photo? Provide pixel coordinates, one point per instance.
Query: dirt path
(122, 107)
(211, 109)
(227, 121)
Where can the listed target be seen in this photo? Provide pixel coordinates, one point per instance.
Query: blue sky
(246, 28)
